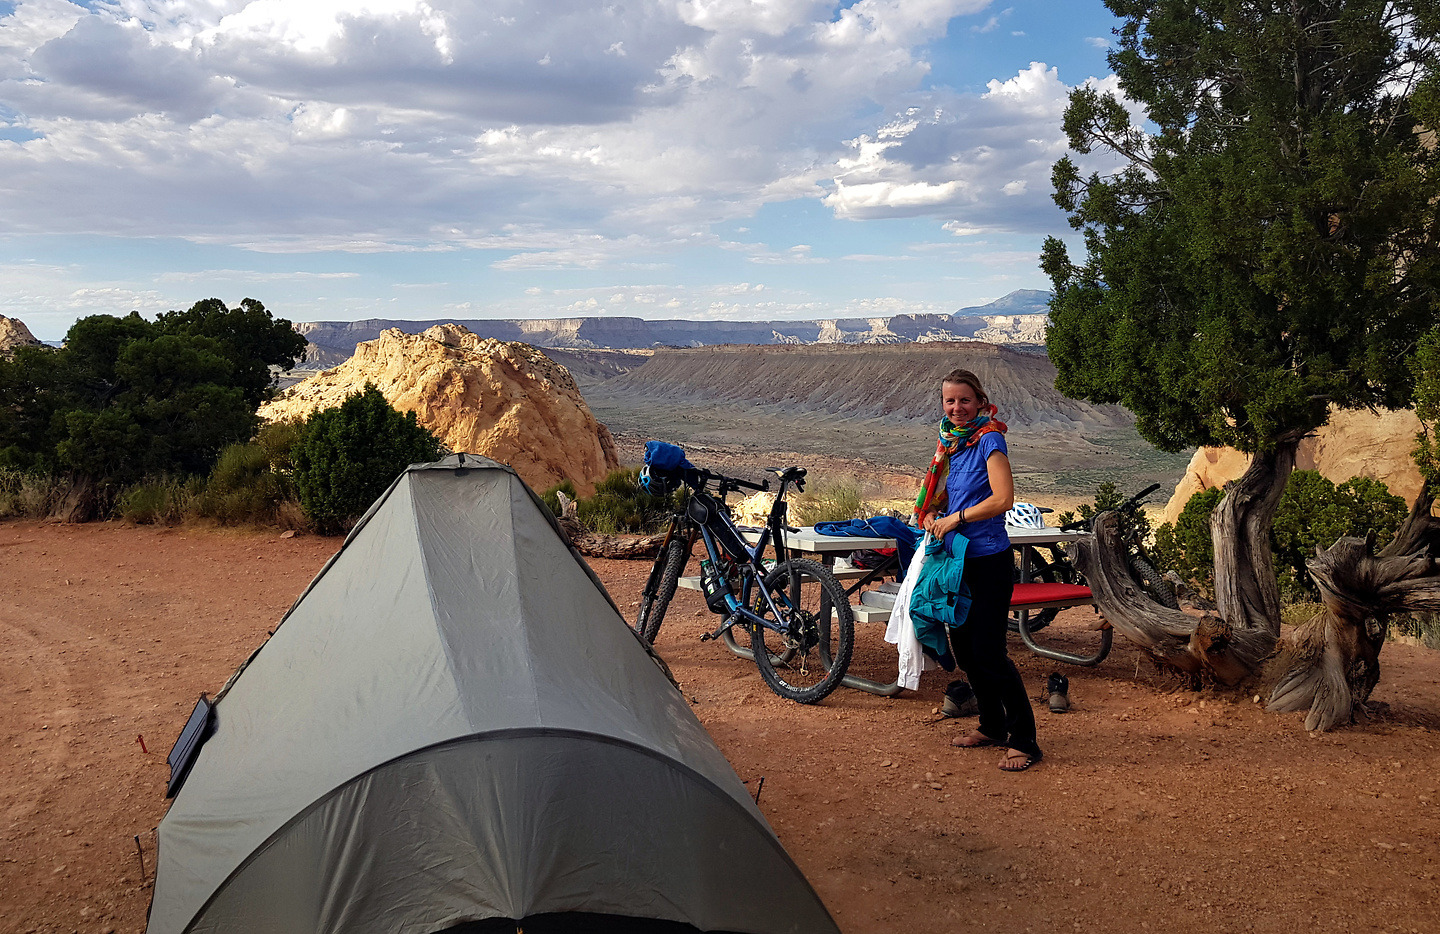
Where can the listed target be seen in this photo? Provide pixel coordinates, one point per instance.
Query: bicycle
(1058, 569)
(801, 628)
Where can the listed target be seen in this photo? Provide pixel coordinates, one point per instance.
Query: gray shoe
(959, 700)
(1058, 688)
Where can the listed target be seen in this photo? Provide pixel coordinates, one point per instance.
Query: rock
(1354, 443)
(14, 333)
(505, 400)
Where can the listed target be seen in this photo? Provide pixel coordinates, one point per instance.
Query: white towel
(901, 631)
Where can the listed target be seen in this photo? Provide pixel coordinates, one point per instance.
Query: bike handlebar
(1132, 501)
(698, 477)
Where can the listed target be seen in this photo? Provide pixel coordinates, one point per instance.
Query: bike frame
(718, 521)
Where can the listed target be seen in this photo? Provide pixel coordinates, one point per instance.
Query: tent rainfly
(454, 730)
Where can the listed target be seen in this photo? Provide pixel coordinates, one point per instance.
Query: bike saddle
(788, 473)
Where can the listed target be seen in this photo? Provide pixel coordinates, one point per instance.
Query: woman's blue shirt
(968, 484)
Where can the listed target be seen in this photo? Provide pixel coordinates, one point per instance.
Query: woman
(967, 492)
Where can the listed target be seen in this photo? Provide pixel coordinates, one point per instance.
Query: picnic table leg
(1107, 636)
(855, 681)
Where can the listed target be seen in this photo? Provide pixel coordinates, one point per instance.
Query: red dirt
(1150, 811)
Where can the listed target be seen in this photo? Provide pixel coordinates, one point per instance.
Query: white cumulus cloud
(566, 134)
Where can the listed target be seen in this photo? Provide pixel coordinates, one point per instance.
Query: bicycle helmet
(1025, 516)
(658, 482)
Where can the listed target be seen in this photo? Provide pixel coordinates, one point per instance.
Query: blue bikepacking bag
(667, 457)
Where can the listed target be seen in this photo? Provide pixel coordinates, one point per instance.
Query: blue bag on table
(906, 536)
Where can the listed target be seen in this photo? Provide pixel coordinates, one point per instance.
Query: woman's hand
(938, 526)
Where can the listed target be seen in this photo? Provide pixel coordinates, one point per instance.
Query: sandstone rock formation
(507, 401)
(14, 333)
(1352, 444)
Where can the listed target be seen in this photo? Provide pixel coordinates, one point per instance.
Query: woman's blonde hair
(966, 378)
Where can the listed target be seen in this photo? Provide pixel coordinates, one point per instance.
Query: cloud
(993, 23)
(981, 161)
(1097, 42)
(250, 275)
(423, 125)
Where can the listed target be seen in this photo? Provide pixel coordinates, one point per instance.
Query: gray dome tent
(454, 730)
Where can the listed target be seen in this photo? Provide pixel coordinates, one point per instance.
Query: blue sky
(427, 159)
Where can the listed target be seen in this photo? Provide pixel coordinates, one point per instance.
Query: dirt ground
(1152, 811)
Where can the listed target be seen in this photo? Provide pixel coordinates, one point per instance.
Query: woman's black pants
(980, 650)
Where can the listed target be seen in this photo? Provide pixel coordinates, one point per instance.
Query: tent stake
(757, 789)
(140, 853)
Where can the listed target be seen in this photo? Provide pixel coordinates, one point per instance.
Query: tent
(454, 730)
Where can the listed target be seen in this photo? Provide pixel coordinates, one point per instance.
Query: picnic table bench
(875, 606)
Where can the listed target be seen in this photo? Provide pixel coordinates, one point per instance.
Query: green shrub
(620, 504)
(552, 500)
(1423, 627)
(1313, 511)
(278, 439)
(160, 501)
(246, 489)
(351, 453)
(832, 501)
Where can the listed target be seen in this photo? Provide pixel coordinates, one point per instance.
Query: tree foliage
(1266, 244)
(349, 454)
(1426, 365)
(127, 398)
(1313, 511)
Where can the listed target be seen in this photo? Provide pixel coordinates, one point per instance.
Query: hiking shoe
(1058, 687)
(959, 700)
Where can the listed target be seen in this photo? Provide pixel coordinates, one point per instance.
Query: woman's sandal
(1017, 761)
(974, 740)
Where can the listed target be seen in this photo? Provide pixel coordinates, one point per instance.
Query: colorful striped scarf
(952, 438)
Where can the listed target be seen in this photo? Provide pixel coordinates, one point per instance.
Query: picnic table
(875, 606)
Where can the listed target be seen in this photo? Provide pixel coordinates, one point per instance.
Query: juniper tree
(1262, 245)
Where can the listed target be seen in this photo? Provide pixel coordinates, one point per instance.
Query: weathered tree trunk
(1246, 594)
(1332, 663)
(1207, 646)
(595, 545)
(79, 503)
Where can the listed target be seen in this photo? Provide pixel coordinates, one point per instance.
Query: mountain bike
(1054, 565)
(801, 628)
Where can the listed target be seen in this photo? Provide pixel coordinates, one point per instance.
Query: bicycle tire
(1043, 572)
(1155, 586)
(794, 664)
(652, 609)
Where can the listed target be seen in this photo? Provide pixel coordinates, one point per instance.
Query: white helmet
(1025, 516)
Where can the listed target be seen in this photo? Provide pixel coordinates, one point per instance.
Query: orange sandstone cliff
(1352, 444)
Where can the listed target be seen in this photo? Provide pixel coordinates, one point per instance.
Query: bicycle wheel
(806, 661)
(1041, 572)
(1155, 586)
(652, 609)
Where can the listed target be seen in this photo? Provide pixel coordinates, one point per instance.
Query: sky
(703, 159)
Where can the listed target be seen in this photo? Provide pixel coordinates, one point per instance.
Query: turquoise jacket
(940, 599)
